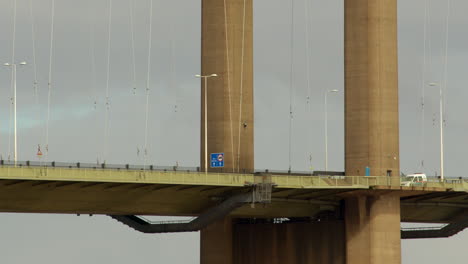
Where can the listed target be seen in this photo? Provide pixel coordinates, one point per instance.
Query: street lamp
(13, 65)
(441, 131)
(326, 126)
(205, 77)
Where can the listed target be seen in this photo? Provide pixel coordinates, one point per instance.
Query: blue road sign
(217, 160)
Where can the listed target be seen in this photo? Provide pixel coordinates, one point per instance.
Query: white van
(416, 179)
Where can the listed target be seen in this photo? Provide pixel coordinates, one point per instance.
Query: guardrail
(217, 179)
(97, 165)
(182, 221)
(428, 228)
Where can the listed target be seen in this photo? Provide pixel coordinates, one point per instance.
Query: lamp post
(13, 65)
(441, 131)
(326, 126)
(205, 79)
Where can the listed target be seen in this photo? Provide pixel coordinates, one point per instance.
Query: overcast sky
(77, 127)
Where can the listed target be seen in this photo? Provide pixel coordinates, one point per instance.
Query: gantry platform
(187, 193)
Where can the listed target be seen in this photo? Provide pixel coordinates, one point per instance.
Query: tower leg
(373, 229)
(371, 88)
(227, 50)
(306, 243)
(216, 243)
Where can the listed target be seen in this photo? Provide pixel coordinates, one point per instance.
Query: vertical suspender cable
(291, 83)
(226, 33)
(132, 33)
(429, 38)
(173, 76)
(107, 116)
(132, 43)
(447, 21)
(429, 46)
(14, 33)
(423, 87)
(306, 8)
(379, 84)
(33, 38)
(173, 70)
(308, 75)
(241, 89)
(12, 77)
(93, 67)
(49, 83)
(150, 38)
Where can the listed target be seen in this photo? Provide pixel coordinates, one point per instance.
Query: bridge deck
(215, 179)
(111, 191)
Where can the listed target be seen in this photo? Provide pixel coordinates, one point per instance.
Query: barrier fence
(193, 176)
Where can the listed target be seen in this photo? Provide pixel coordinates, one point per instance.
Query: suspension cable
(228, 83)
(173, 76)
(35, 84)
(308, 105)
(291, 83)
(49, 83)
(173, 71)
(13, 53)
(306, 8)
(132, 43)
(14, 33)
(423, 86)
(132, 33)
(33, 37)
(92, 52)
(10, 125)
(150, 38)
(241, 89)
(379, 79)
(429, 36)
(107, 115)
(447, 22)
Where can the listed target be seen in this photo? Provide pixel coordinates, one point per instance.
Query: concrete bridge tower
(227, 50)
(370, 232)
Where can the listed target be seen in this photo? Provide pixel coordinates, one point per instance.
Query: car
(415, 179)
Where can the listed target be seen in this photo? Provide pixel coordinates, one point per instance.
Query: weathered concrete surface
(371, 87)
(373, 229)
(227, 50)
(305, 243)
(371, 128)
(216, 243)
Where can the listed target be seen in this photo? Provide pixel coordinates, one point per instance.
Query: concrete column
(373, 229)
(216, 243)
(306, 243)
(371, 88)
(227, 46)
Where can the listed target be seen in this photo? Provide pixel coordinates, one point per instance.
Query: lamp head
(214, 75)
(198, 76)
(23, 63)
(333, 91)
(6, 64)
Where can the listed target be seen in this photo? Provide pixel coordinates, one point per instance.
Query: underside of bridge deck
(78, 197)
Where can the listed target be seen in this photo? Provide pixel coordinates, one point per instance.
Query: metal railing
(423, 228)
(190, 176)
(161, 222)
(71, 165)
